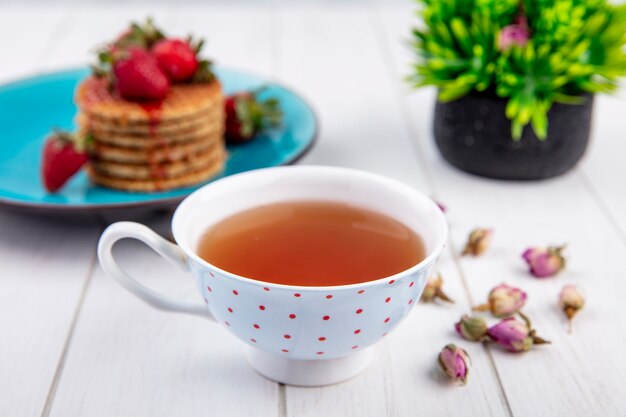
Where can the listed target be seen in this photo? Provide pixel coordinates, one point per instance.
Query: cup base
(308, 373)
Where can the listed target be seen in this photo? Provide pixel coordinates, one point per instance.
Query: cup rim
(388, 182)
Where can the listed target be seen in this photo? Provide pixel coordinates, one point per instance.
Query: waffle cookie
(153, 147)
(96, 100)
(152, 185)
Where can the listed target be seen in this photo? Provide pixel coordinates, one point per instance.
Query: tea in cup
(308, 266)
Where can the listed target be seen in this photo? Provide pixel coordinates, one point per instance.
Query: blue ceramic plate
(29, 108)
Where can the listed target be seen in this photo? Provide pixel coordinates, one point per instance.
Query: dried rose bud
(433, 290)
(544, 262)
(504, 300)
(514, 335)
(512, 35)
(478, 242)
(471, 328)
(515, 34)
(454, 362)
(571, 299)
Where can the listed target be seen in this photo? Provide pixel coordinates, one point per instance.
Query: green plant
(531, 52)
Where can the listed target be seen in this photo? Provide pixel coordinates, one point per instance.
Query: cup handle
(169, 251)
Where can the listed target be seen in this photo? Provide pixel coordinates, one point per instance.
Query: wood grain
(126, 358)
(566, 378)
(44, 263)
(27, 35)
(603, 168)
(40, 292)
(336, 59)
(73, 343)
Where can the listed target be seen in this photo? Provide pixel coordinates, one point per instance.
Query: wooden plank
(127, 358)
(43, 270)
(603, 167)
(28, 49)
(44, 262)
(333, 57)
(577, 375)
(86, 29)
(235, 37)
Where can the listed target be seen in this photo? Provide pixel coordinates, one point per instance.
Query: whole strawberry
(63, 157)
(246, 116)
(142, 61)
(176, 58)
(138, 76)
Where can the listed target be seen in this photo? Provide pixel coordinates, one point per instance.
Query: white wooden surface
(73, 343)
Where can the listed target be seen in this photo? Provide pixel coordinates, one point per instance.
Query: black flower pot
(474, 135)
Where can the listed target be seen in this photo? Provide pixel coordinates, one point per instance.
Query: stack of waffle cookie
(153, 147)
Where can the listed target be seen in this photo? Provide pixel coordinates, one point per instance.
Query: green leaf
(576, 46)
(540, 123)
(516, 130)
(461, 35)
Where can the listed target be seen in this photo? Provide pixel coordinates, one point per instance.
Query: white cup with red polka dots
(306, 336)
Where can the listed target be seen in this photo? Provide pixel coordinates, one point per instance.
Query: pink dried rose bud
(504, 301)
(514, 335)
(433, 290)
(516, 34)
(471, 328)
(454, 362)
(478, 241)
(544, 262)
(571, 300)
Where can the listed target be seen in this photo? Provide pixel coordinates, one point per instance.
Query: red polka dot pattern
(349, 329)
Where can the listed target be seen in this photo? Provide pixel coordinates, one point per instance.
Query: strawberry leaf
(204, 73)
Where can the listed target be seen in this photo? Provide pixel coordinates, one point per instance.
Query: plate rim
(160, 202)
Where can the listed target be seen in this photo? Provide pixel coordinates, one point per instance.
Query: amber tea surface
(311, 243)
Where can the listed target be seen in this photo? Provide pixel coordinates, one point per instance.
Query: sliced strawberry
(138, 77)
(176, 59)
(62, 158)
(246, 116)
